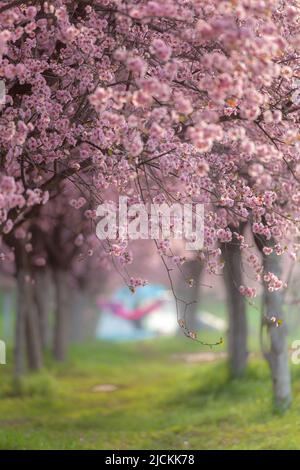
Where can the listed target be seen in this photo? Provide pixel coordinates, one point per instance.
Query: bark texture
(237, 331)
(28, 338)
(42, 300)
(190, 294)
(277, 353)
(62, 314)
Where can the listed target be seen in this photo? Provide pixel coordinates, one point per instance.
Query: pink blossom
(161, 50)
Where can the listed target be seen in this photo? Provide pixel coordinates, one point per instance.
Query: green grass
(161, 403)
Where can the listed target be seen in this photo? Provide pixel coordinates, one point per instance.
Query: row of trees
(184, 101)
(273, 328)
(54, 273)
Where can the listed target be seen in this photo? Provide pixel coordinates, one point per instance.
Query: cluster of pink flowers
(161, 50)
(163, 246)
(224, 235)
(100, 97)
(188, 100)
(135, 282)
(11, 197)
(204, 135)
(36, 197)
(254, 262)
(267, 250)
(248, 291)
(261, 229)
(134, 144)
(272, 281)
(78, 203)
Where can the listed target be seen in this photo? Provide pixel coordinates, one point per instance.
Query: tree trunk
(62, 315)
(19, 350)
(237, 333)
(190, 294)
(78, 305)
(277, 354)
(27, 327)
(32, 331)
(41, 296)
(7, 314)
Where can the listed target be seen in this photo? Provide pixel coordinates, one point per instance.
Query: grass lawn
(161, 402)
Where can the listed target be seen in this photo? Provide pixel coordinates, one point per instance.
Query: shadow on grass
(248, 397)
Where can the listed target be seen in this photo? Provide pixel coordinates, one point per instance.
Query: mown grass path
(144, 396)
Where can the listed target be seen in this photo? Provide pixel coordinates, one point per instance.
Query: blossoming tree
(181, 100)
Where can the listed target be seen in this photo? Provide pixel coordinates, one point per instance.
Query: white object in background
(163, 321)
(113, 328)
(212, 321)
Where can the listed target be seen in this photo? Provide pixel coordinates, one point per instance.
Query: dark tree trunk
(62, 315)
(277, 354)
(32, 331)
(237, 332)
(19, 350)
(7, 314)
(77, 324)
(41, 296)
(27, 323)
